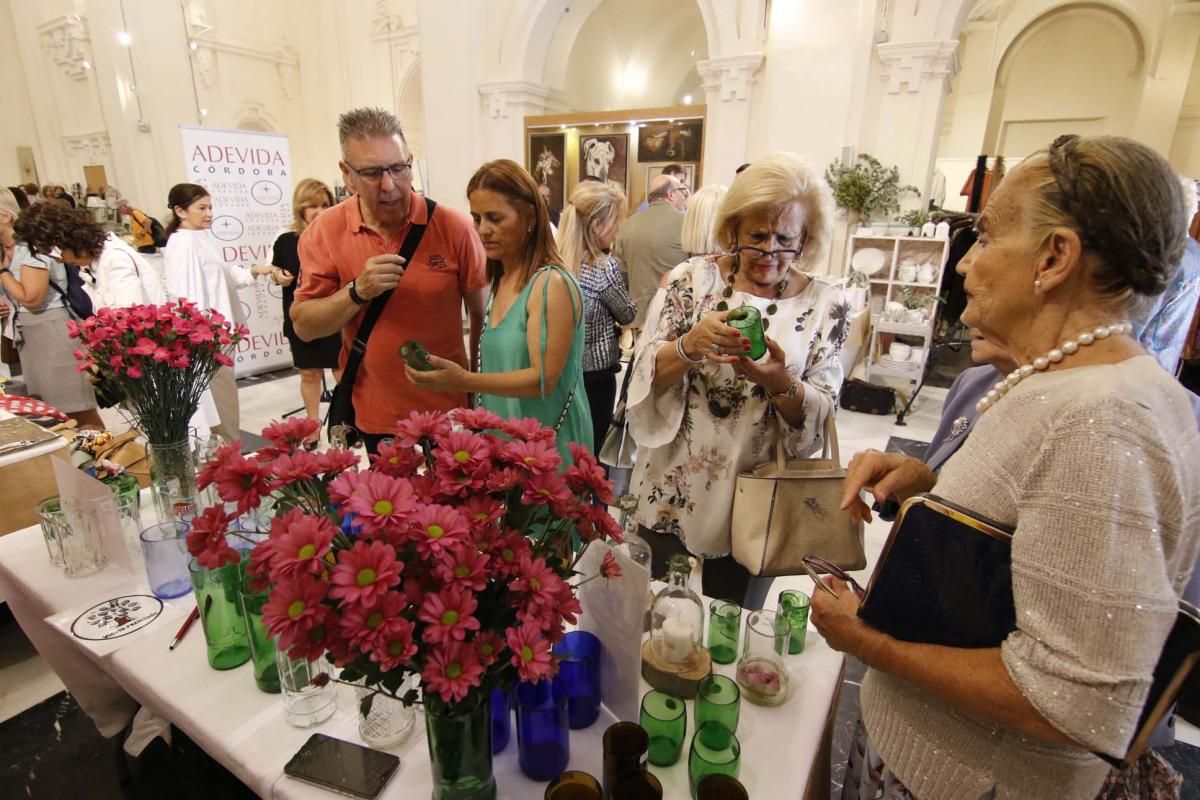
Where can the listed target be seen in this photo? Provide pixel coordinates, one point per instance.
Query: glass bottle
(677, 617)
(635, 546)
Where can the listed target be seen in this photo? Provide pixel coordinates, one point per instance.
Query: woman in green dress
(531, 354)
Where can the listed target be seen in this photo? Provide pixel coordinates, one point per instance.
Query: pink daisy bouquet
(450, 557)
(161, 357)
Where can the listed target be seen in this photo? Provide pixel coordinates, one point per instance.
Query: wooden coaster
(681, 680)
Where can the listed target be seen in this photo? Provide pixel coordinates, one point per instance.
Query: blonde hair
(772, 182)
(593, 205)
(309, 193)
(699, 235)
(8, 205)
(1124, 201)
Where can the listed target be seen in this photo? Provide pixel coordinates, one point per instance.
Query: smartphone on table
(343, 767)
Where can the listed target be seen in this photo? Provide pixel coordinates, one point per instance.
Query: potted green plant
(865, 187)
(914, 220)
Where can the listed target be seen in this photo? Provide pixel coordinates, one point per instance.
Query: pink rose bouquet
(449, 558)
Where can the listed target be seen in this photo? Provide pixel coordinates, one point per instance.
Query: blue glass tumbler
(164, 548)
(579, 666)
(543, 743)
(501, 719)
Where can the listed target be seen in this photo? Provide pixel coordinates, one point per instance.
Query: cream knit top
(1098, 469)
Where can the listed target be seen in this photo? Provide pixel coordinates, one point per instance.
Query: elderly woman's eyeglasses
(375, 174)
(758, 252)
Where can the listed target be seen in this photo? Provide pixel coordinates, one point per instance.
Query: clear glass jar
(762, 673)
(677, 617)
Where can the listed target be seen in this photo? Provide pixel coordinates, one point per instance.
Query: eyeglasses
(814, 564)
(760, 253)
(375, 174)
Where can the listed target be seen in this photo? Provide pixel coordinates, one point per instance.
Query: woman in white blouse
(699, 409)
(194, 270)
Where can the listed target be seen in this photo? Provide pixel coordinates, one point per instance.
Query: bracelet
(683, 356)
(355, 296)
(6, 271)
(789, 393)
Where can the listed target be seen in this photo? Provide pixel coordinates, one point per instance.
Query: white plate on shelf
(892, 363)
(869, 260)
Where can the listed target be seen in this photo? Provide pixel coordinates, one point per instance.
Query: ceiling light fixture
(124, 38)
(85, 64)
(687, 99)
(193, 44)
(204, 112)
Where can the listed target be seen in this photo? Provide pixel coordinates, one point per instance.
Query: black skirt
(320, 353)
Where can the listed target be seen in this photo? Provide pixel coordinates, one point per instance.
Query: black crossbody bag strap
(375, 310)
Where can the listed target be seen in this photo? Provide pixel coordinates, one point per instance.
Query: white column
(916, 77)
(1166, 86)
(728, 84)
(505, 106)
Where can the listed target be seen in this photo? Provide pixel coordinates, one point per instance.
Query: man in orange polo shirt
(349, 255)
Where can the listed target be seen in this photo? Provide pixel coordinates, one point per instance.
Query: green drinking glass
(724, 622)
(715, 751)
(749, 323)
(718, 699)
(221, 618)
(262, 646)
(794, 606)
(664, 716)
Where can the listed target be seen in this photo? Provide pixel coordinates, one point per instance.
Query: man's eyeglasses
(375, 174)
(758, 252)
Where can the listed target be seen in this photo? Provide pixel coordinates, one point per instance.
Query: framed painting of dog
(605, 157)
(670, 141)
(547, 163)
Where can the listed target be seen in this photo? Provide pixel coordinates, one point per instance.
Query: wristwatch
(789, 393)
(355, 296)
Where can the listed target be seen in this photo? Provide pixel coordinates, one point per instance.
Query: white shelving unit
(886, 287)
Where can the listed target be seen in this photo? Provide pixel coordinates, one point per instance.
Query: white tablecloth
(245, 730)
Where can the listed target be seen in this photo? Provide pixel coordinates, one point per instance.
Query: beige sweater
(1098, 468)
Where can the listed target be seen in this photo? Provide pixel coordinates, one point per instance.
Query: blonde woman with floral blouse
(700, 410)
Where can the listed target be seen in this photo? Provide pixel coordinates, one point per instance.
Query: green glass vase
(220, 614)
(460, 750)
(262, 646)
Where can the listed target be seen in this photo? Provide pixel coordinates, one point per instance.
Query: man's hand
(379, 274)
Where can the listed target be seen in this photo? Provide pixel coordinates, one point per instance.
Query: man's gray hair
(662, 186)
(368, 123)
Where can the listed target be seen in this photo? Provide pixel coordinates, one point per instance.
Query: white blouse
(695, 436)
(195, 270)
(123, 278)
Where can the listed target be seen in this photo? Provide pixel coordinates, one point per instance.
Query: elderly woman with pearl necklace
(1089, 451)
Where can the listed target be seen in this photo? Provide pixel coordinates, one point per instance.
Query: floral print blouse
(694, 437)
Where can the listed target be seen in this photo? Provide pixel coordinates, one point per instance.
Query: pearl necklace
(1068, 347)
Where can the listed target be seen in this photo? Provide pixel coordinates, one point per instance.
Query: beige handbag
(785, 510)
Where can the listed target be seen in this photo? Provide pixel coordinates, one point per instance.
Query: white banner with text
(249, 175)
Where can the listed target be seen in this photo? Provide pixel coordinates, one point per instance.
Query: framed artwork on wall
(605, 157)
(671, 141)
(547, 161)
(26, 166)
(654, 170)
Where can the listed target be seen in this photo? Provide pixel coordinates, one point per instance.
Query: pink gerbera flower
(547, 489)
(449, 615)
(301, 544)
(566, 605)
(335, 461)
(436, 528)
(585, 477)
(489, 646)
(594, 522)
(397, 646)
(243, 481)
(501, 480)
(291, 467)
(293, 608)
(381, 502)
(367, 627)
(477, 419)
(609, 568)
(344, 486)
(364, 572)
(537, 580)
(422, 425)
(537, 457)
(224, 455)
(482, 509)
(463, 566)
(289, 435)
(530, 653)
(463, 452)
(527, 429)
(508, 552)
(206, 539)
(396, 460)
(259, 569)
(452, 670)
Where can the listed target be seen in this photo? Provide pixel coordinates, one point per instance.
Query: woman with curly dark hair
(122, 277)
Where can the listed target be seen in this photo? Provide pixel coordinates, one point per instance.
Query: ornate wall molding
(387, 26)
(908, 64)
(90, 148)
(502, 99)
(65, 40)
(730, 77)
